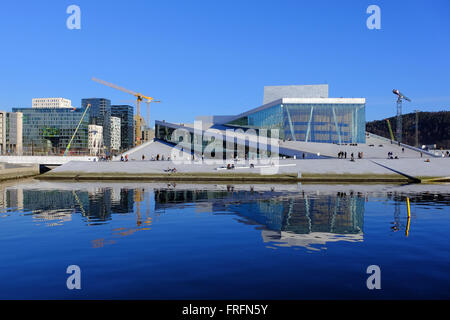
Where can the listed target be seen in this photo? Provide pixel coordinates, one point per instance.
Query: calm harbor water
(164, 241)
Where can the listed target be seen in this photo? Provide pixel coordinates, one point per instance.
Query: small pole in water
(409, 209)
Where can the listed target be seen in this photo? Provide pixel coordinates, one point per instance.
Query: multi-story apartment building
(115, 134)
(95, 140)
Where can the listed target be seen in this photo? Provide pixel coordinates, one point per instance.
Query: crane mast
(400, 98)
(148, 110)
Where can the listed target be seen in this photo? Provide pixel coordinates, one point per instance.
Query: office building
(49, 130)
(100, 115)
(11, 133)
(51, 103)
(126, 115)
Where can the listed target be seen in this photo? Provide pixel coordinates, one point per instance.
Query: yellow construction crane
(139, 97)
(138, 129)
(148, 108)
(66, 152)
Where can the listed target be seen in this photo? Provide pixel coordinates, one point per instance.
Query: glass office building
(125, 113)
(48, 131)
(333, 121)
(100, 115)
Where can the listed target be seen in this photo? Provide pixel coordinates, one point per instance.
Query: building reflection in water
(285, 219)
(96, 205)
(290, 218)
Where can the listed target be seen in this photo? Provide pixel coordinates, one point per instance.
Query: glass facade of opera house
(327, 123)
(341, 121)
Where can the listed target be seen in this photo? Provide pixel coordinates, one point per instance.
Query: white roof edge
(324, 100)
(299, 85)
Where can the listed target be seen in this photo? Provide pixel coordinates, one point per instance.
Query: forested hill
(434, 128)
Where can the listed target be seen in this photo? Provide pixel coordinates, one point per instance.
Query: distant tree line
(434, 128)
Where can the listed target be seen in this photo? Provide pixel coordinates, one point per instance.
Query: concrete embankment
(284, 171)
(9, 172)
(204, 177)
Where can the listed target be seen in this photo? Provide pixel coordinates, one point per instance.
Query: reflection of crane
(80, 205)
(139, 197)
(76, 130)
(139, 97)
(400, 98)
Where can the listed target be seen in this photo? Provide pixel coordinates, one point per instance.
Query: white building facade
(53, 103)
(95, 140)
(11, 124)
(115, 134)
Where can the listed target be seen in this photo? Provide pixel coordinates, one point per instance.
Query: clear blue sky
(215, 57)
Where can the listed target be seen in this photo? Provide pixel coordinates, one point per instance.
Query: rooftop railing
(401, 144)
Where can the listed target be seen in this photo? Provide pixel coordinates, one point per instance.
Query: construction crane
(390, 129)
(148, 108)
(66, 152)
(139, 97)
(147, 101)
(417, 128)
(400, 98)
